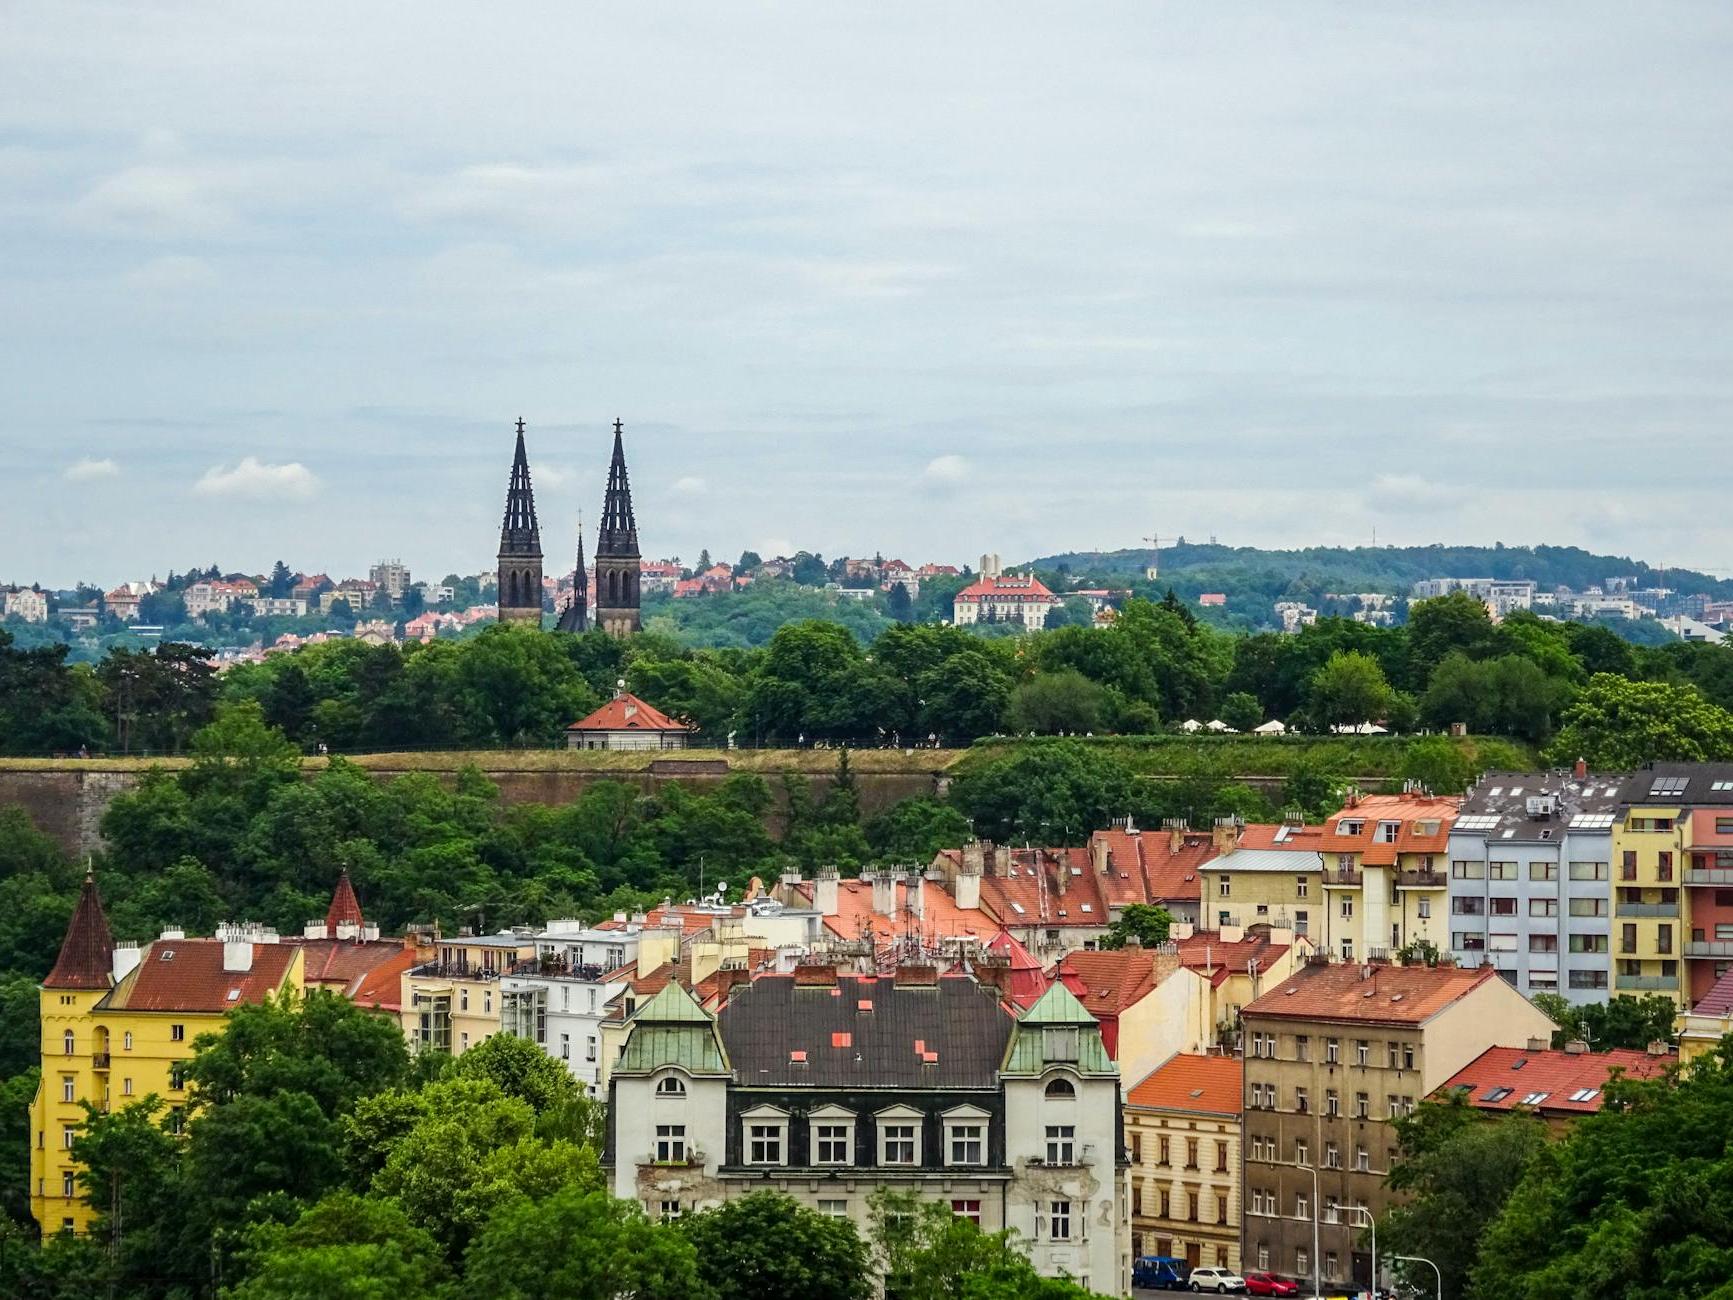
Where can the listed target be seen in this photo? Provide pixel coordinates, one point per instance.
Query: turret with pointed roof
(576, 616)
(520, 546)
(617, 557)
(86, 958)
(345, 907)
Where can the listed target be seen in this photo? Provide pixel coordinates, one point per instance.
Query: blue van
(1159, 1273)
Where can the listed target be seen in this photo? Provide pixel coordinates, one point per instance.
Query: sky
(276, 281)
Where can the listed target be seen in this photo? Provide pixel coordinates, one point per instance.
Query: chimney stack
(1581, 770)
(315, 930)
(884, 886)
(917, 893)
(1226, 834)
(1001, 860)
(237, 955)
(1176, 827)
(824, 891)
(126, 957)
(1098, 853)
(975, 857)
(968, 884)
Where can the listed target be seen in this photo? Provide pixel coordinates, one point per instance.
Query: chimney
(729, 978)
(1581, 770)
(1176, 827)
(975, 857)
(237, 955)
(1098, 853)
(884, 886)
(370, 932)
(1539, 1044)
(126, 957)
(1660, 1048)
(1576, 1047)
(917, 891)
(968, 886)
(1226, 834)
(789, 880)
(315, 930)
(1232, 933)
(824, 891)
(1001, 860)
(174, 932)
(1181, 930)
(347, 930)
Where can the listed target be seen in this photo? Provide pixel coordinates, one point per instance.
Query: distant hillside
(1253, 579)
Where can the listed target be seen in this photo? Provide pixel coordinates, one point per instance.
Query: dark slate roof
(864, 1032)
(1693, 784)
(86, 958)
(1497, 807)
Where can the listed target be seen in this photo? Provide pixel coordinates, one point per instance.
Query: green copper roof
(1057, 1006)
(691, 1047)
(672, 1005)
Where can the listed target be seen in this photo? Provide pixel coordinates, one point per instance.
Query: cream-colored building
(454, 1002)
(1267, 875)
(1182, 1127)
(1386, 874)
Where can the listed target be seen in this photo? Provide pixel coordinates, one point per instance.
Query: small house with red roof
(1557, 1085)
(626, 722)
(1148, 1005)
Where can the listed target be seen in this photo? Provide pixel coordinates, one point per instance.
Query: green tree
(519, 1069)
(1348, 690)
(1148, 923)
(964, 697)
(1061, 701)
(767, 1246)
(925, 1252)
(1242, 712)
(1615, 723)
(346, 1247)
(578, 1245)
(1439, 764)
(1455, 1169)
(1052, 793)
(914, 830)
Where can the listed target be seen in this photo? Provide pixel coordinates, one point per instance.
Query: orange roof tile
(1508, 1078)
(381, 988)
(626, 712)
(1389, 995)
(1408, 811)
(939, 917)
(188, 975)
(86, 959)
(1106, 983)
(1269, 835)
(1205, 950)
(345, 908)
(1187, 1081)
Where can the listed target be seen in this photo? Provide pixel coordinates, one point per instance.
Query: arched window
(613, 586)
(670, 1086)
(1061, 1090)
(70, 1042)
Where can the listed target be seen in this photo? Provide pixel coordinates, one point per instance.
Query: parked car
(1261, 1283)
(1220, 1280)
(1159, 1273)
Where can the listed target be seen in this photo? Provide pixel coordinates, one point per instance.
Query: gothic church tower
(617, 557)
(520, 546)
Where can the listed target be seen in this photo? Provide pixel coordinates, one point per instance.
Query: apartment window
(1407, 1056)
(967, 1209)
(832, 1143)
(1423, 909)
(1663, 938)
(1461, 906)
(1588, 979)
(1332, 1103)
(1388, 832)
(177, 1033)
(1331, 1263)
(1347, 950)
(126, 1040)
(1161, 1149)
(1543, 943)
(1300, 1100)
(1589, 871)
(1062, 1145)
(1332, 1049)
(1664, 866)
(68, 1186)
(670, 1143)
(1501, 871)
(1137, 1148)
(764, 1144)
(1263, 1257)
(836, 1209)
(1302, 1262)
(565, 1047)
(1059, 1220)
(487, 1002)
(1221, 1157)
(1191, 1153)
(1332, 1210)
(1588, 943)
(1467, 941)
(1585, 907)
(670, 1211)
(126, 1087)
(1332, 1156)
(1347, 909)
(69, 1042)
(1504, 907)
(670, 1085)
(1136, 1200)
(177, 1075)
(1301, 921)
(1302, 1047)
(1362, 1105)
(1300, 886)
(463, 999)
(897, 1142)
(1302, 1152)
(66, 1134)
(1543, 871)
(1224, 887)
(1362, 1160)
(1546, 906)
(1468, 870)
(969, 1144)
(1302, 1206)
(589, 1047)
(68, 1086)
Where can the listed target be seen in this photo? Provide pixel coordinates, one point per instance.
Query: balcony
(99, 1060)
(1669, 910)
(1647, 983)
(1709, 947)
(1345, 877)
(1421, 879)
(1709, 876)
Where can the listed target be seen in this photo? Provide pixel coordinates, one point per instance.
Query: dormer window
(1059, 1042)
(670, 1086)
(1061, 1090)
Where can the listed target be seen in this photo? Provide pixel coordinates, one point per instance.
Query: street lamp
(1372, 1223)
(1416, 1259)
(1317, 1259)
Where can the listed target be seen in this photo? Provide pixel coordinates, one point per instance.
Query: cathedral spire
(617, 556)
(520, 546)
(86, 958)
(576, 617)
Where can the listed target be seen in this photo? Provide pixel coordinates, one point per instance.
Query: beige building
(25, 603)
(1269, 875)
(1386, 874)
(452, 1003)
(1332, 1056)
(1182, 1127)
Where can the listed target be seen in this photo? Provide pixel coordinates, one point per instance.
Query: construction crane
(1153, 570)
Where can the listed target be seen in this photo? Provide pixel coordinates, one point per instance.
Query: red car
(1270, 1284)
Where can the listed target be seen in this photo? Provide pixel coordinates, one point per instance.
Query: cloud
(156, 202)
(171, 274)
(87, 469)
(945, 472)
(689, 485)
(254, 480)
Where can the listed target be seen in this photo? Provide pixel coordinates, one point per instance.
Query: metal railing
(1421, 880)
(1709, 875)
(1646, 909)
(1647, 983)
(1709, 947)
(1342, 876)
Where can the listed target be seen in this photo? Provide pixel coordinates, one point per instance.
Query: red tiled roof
(1718, 1001)
(381, 988)
(1264, 835)
(345, 908)
(188, 975)
(1032, 894)
(1390, 995)
(1028, 981)
(1187, 1081)
(343, 961)
(1546, 1080)
(1407, 809)
(627, 712)
(1206, 950)
(1007, 586)
(86, 959)
(1106, 983)
(940, 917)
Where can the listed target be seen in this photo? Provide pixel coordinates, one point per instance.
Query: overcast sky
(936, 279)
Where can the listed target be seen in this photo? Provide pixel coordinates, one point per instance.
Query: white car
(1221, 1280)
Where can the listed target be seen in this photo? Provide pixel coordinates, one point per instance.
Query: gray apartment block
(1531, 879)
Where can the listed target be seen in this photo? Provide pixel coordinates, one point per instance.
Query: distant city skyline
(1059, 282)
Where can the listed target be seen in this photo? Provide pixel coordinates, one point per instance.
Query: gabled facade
(626, 722)
(830, 1087)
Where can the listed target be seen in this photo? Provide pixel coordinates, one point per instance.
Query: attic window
(1498, 1094)
(1089, 907)
(168, 954)
(1585, 1094)
(1535, 1098)
(842, 1040)
(1077, 871)
(864, 1004)
(1017, 908)
(233, 994)
(797, 1057)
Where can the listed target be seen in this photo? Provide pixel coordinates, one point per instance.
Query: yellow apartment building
(1267, 875)
(453, 1002)
(1182, 1126)
(1650, 848)
(1386, 874)
(118, 1025)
